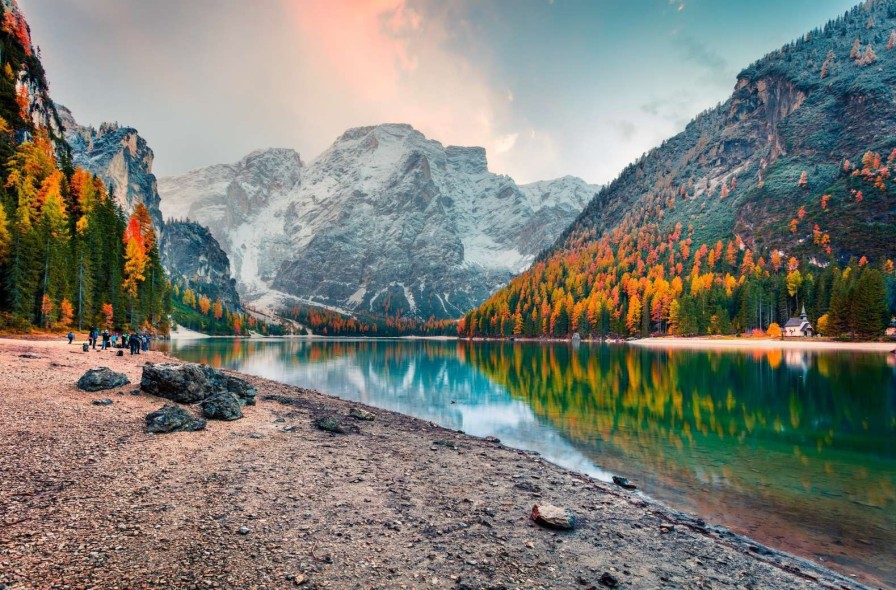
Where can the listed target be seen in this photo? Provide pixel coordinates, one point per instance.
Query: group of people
(135, 341)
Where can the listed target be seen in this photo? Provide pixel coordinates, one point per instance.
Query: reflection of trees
(683, 413)
(803, 439)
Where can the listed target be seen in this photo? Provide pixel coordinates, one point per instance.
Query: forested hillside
(69, 257)
(780, 197)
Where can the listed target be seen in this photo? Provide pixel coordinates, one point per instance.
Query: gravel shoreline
(88, 500)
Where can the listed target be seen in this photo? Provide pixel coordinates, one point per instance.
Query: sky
(548, 87)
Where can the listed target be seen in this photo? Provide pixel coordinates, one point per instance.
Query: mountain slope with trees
(778, 198)
(69, 256)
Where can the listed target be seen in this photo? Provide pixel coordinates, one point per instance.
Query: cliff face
(190, 251)
(384, 221)
(123, 159)
(120, 157)
(26, 104)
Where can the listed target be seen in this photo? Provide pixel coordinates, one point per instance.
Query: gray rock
(100, 378)
(30, 355)
(243, 530)
(170, 418)
(624, 483)
(359, 414)
(181, 382)
(609, 580)
(222, 406)
(102, 402)
(241, 388)
(189, 383)
(330, 424)
(553, 517)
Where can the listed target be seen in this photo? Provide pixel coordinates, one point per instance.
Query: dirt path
(87, 500)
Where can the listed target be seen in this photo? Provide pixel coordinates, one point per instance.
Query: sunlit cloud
(549, 89)
(392, 63)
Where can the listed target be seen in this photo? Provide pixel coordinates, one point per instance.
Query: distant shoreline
(709, 343)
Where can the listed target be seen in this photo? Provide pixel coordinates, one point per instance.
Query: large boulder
(188, 383)
(170, 418)
(181, 382)
(222, 406)
(241, 388)
(100, 378)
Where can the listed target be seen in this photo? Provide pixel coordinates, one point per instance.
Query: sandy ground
(182, 333)
(88, 500)
(764, 344)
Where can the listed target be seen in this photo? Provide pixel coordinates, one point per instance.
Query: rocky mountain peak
(385, 221)
(470, 160)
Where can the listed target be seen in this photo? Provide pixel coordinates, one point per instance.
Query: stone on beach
(190, 382)
(222, 406)
(100, 378)
(553, 517)
(330, 424)
(624, 483)
(359, 414)
(170, 418)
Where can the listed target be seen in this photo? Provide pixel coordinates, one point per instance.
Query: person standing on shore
(134, 341)
(91, 339)
(70, 337)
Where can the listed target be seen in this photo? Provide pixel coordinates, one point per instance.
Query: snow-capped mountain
(385, 220)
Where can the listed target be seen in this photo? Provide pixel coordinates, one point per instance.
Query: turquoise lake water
(796, 449)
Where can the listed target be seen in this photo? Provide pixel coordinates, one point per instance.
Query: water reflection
(793, 447)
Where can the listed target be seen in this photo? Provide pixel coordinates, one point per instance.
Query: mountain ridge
(433, 206)
(751, 210)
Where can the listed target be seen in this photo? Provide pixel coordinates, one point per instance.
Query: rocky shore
(279, 499)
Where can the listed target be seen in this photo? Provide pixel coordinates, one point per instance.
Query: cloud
(625, 129)
(504, 143)
(701, 55)
(387, 61)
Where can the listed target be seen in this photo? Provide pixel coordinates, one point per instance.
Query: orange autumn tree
(107, 314)
(66, 313)
(135, 259)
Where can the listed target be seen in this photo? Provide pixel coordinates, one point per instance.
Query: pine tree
(5, 237)
(868, 312)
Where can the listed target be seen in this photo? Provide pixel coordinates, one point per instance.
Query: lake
(796, 449)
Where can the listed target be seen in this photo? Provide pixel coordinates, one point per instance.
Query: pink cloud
(383, 61)
(362, 44)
